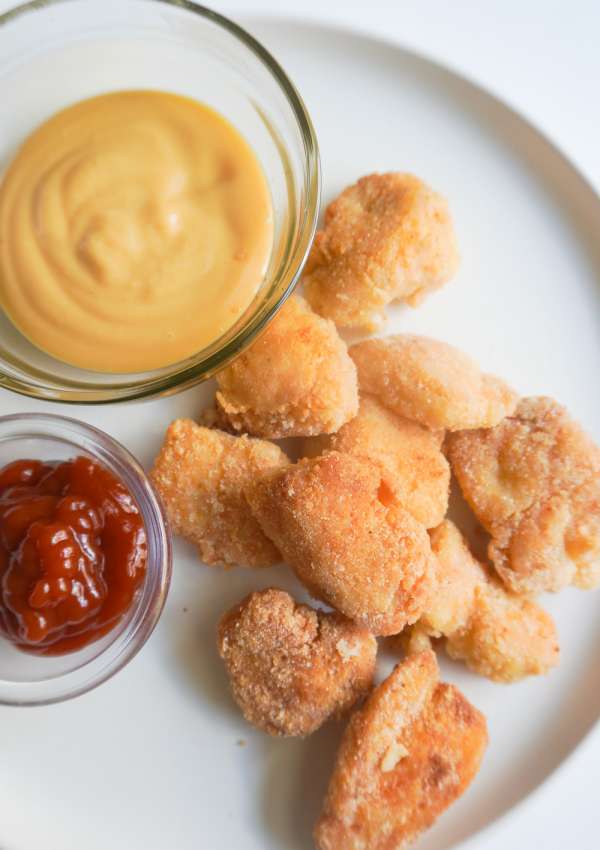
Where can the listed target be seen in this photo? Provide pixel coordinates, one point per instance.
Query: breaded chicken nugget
(533, 482)
(407, 754)
(499, 635)
(387, 237)
(507, 637)
(412, 463)
(292, 667)
(459, 576)
(349, 540)
(200, 474)
(431, 382)
(295, 380)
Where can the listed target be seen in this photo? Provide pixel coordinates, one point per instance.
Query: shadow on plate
(566, 726)
(296, 771)
(200, 595)
(296, 774)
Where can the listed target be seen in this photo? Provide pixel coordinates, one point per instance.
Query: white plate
(151, 760)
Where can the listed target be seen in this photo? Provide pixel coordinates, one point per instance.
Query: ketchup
(72, 553)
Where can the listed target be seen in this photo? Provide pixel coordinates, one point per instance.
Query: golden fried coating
(387, 237)
(295, 380)
(200, 474)
(459, 575)
(292, 667)
(407, 754)
(412, 463)
(507, 637)
(533, 482)
(349, 540)
(431, 382)
(499, 635)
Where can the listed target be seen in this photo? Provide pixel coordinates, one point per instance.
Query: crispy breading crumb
(394, 753)
(533, 481)
(347, 649)
(507, 637)
(431, 382)
(297, 379)
(285, 666)
(349, 540)
(498, 634)
(200, 474)
(387, 237)
(406, 755)
(412, 463)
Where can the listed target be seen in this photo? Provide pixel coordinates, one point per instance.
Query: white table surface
(543, 58)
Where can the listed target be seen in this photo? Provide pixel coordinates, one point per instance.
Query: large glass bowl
(56, 52)
(28, 679)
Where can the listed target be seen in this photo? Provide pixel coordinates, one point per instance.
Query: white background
(544, 59)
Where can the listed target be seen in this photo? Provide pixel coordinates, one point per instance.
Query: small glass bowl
(56, 52)
(27, 679)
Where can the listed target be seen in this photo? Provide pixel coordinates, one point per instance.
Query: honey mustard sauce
(135, 229)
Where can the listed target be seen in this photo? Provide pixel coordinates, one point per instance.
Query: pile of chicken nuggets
(361, 518)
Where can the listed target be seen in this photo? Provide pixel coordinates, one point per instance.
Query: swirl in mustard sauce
(135, 229)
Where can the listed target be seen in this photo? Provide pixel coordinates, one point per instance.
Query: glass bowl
(27, 679)
(56, 52)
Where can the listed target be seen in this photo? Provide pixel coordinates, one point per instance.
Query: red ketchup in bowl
(72, 553)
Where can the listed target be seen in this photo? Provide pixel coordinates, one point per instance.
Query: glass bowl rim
(178, 378)
(133, 633)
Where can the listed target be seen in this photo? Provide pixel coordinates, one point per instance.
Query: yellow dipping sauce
(135, 229)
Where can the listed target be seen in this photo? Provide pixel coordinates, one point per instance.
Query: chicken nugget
(459, 575)
(431, 382)
(506, 638)
(200, 474)
(412, 463)
(533, 481)
(387, 237)
(349, 540)
(290, 666)
(296, 380)
(407, 754)
(499, 635)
